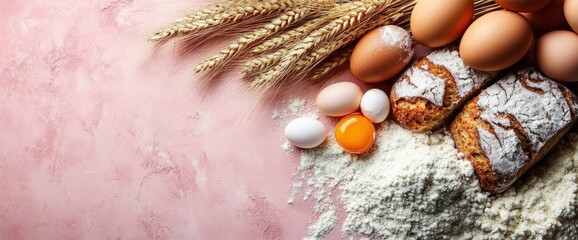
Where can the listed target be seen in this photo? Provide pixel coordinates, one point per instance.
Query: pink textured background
(102, 139)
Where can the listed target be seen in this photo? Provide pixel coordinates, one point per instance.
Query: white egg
(375, 105)
(305, 132)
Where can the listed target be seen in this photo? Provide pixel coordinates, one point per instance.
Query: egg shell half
(496, 41)
(438, 23)
(305, 132)
(557, 55)
(571, 13)
(381, 54)
(339, 99)
(375, 105)
(523, 5)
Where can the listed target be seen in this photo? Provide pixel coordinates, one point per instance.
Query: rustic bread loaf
(433, 88)
(511, 125)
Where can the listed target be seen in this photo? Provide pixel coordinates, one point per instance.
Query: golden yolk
(355, 133)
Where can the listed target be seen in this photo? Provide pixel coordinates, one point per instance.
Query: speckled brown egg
(523, 5)
(381, 54)
(547, 19)
(496, 41)
(438, 23)
(557, 55)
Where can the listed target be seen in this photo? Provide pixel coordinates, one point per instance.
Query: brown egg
(436, 24)
(557, 55)
(523, 5)
(571, 13)
(496, 41)
(547, 19)
(381, 54)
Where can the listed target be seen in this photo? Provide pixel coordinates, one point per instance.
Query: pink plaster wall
(100, 138)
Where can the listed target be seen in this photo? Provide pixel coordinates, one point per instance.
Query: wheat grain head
(233, 13)
(226, 55)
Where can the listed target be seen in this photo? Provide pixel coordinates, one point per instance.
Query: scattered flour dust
(294, 107)
(415, 186)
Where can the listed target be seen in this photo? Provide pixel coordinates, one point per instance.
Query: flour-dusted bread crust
(433, 88)
(512, 125)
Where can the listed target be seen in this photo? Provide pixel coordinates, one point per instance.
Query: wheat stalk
(328, 67)
(300, 32)
(286, 37)
(359, 12)
(181, 24)
(320, 43)
(232, 50)
(264, 61)
(394, 15)
(397, 16)
(236, 13)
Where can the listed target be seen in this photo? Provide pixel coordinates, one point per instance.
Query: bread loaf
(433, 88)
(511, 125)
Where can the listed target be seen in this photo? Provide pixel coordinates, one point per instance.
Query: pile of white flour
(415, 186)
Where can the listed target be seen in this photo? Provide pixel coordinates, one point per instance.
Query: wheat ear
(231, 16)
(286, 37)
(329, 67)
(232, 50)
(264, 61)
(361, 11)
(398, 16)
(181, 24)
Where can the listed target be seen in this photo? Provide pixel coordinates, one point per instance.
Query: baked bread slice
(433, 88)
(512, 125)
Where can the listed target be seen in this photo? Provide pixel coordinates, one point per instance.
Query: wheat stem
(232, 50)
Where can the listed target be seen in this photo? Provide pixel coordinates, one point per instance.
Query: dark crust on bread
(420, 115)
(467, 140)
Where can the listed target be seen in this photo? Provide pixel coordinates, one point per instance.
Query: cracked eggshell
(339, 99)
(305, 132)
(375, 105)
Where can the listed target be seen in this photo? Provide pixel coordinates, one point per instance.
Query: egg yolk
(355, 133)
